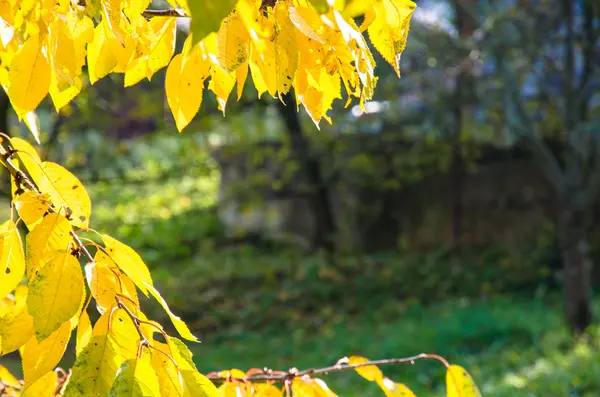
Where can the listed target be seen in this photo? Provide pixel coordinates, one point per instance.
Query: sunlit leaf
(233, 43)
(459, 383)
(43, 387)
(106, 281)
(207, 16)
(194, 383)
(29, 77)
(41, 357)
(56, 294)
(16, 328)
(49, 238)
(136, 378)
(129, 262)
(389, 30)
(180, 326)
(84, 332)
(94, 369)
(32, 206)
(12, 260)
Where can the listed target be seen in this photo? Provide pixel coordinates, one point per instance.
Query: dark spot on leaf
(82, 218)
(75, 187)
(7, 271)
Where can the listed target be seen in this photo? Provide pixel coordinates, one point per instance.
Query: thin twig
(281, 376)
(164, 13)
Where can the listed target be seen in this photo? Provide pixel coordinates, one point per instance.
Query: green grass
(512, 347)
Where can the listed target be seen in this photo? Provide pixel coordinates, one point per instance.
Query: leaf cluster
(314, 47)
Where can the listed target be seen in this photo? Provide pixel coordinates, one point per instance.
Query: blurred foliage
(512, 346)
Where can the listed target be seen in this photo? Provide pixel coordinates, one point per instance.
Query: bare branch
(282, 376)
(164, 13)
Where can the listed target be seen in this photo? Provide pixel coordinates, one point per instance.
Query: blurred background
(456, 214)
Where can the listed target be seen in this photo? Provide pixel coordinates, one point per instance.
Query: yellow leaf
(136, 378)
(180, 326)
(7, 378)
(184, 85)
(43, 387)
(94, 369)
(28, 158)
(61, 51)
(84, 332)
(300, 388)
(46, 240)
(241, 73)
(392, 389)
(112, 13)
(129, 262)
(56, 294)
(194, 383)
(106, 280)
(369, 372)
(41, 357)
(266, 390)
(65, 191)
(101, 55)
(389, 30)
(29, 77)
(233, 389)
(321, 389)
(459, 383)
(207, 16)
(354, 8)
(286, 49)
(300, 17)
(12, 262)
(122, 332)
(233, 43)
(31, 207)
(15, 329)
(221, 83)
(168, 375)
(33, 123)
(163, 48)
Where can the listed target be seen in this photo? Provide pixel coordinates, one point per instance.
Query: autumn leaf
(65, 191)
(16, 328)
(129, 262)
(43, 387)
(389, 30)
(84, 332)
(373, 374)
(56, 294)
(94, 369)
(39, 357)
(233, 43)
(12, 260)
(136, 378)
(32, 206)
(46, 240)
(207, 16)
(106, 280)
(459, 383)
(29, 77)
(195, 384)
(180, 326)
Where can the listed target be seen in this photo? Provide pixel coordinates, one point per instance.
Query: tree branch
(164, 13)
(341, 365)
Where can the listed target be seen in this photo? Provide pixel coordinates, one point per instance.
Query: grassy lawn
(511, 347)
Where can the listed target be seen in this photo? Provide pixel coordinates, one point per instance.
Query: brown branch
(164, 13)
(281, 376)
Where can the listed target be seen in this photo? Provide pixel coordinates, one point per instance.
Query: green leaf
(194, 383)
(207, 16)
(95, 368)
(136, 378)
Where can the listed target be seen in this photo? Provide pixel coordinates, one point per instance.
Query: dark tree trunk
(320, 199)
(576, 268)
(466, 25)
(4, 106)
